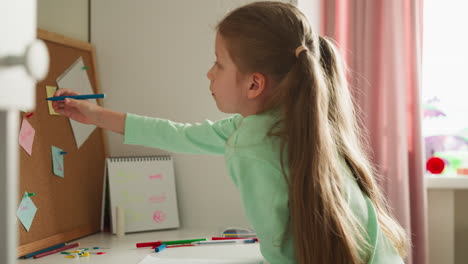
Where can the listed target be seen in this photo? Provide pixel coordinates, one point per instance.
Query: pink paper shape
(159, 216)
(26, 136)
(157, 198)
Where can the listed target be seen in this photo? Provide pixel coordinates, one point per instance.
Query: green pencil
(188, 241)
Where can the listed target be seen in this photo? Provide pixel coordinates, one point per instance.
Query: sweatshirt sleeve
(198, 138)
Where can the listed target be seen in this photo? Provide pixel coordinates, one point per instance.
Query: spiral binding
(139, 158)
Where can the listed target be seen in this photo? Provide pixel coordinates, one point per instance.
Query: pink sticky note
(26, 136)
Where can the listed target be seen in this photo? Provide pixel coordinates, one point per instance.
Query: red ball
(435, 165)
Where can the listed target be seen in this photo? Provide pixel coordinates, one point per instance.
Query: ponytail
(318, 208)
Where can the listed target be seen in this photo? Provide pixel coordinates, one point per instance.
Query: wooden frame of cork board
(70, 207)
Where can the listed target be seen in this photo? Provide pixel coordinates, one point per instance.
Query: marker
(227, 238)
(79, 97)
(30, 255)
(148, 244)
(217, 242)
(56, 250)
(188, 241)
(160, 248)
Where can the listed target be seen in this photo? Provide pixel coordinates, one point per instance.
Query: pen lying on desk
(229, 238)
(220, 242)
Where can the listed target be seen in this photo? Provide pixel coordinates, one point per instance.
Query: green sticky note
(57, 161)
(26, 211)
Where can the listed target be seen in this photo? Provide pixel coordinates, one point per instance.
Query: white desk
(441, 215)
(123, 249)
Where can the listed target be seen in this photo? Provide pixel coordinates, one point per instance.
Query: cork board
(70, 207)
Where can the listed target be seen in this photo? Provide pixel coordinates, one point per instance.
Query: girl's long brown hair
(317, 128)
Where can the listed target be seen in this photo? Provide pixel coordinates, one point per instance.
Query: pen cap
(161, 247)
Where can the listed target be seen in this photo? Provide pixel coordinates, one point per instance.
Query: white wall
(69, 18)
(313, 10)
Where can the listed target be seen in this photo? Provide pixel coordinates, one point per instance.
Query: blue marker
(160, 248)
(79, 97)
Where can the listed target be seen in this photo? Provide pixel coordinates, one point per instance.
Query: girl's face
(227, 85)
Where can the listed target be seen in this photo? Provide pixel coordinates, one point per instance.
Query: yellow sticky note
(50, 92)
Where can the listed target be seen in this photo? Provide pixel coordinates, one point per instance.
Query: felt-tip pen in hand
(79, 97)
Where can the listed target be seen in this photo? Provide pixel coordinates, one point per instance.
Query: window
(445, 83)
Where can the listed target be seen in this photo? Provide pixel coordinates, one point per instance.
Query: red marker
(226, 238)
(148, 244)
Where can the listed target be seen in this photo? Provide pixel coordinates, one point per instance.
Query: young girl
(291, 147)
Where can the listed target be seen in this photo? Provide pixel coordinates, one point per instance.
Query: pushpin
(63, 152)
(31, 194)
(29, 115)
(84, 68)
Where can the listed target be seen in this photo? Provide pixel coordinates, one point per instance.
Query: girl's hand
(79, 110)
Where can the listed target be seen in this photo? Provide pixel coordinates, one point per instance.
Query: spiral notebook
(144, 187)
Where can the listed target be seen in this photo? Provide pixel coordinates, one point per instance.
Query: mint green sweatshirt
(253, 163)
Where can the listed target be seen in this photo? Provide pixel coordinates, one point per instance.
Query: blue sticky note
(26, 211)
(57, 160)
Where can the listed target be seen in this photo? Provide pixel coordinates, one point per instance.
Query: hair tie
(301, 49)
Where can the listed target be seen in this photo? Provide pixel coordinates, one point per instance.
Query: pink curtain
(381, 41)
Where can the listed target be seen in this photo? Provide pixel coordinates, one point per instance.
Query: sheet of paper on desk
(76, 78)
(155, 260)
(219, 254)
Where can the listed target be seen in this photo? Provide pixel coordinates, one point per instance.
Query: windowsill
(446, 182)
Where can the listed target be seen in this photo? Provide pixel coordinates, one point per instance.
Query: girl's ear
(257, 85)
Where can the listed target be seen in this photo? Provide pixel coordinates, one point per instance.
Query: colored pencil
(56, 250)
